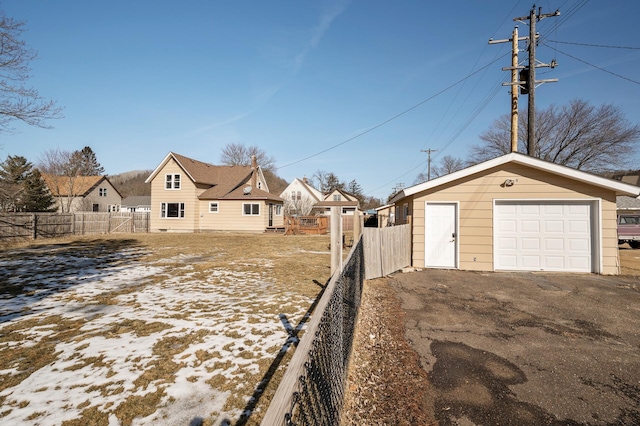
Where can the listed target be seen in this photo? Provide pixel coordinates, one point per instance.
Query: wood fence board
(49, 225)
(386, 250)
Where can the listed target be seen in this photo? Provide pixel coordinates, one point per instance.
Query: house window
(95, 208)
(172, 181)
(405, 208)
(171, 210)
(250, 209)
(213, 207)
(102, 192)
(278, 209)
(336, 197)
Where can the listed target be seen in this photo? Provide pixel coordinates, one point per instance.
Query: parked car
(629, 230)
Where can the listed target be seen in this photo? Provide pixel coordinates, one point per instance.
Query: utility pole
(515, 84)
(531, 78)
(524, 78)
(428, 151)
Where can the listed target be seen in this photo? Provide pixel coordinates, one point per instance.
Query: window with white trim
(250, 209)
(213, 207)
(336, 197)
(278, 209)
(171, 210)
(102, 192)
(172, 181)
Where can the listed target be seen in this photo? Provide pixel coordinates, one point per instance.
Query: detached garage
(515, 213)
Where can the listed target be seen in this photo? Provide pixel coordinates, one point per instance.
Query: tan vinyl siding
(230, 216)
(187, 194)
(476, 195)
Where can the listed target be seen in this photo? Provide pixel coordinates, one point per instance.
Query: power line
(594, 45)
(395, 116)
(599, 68)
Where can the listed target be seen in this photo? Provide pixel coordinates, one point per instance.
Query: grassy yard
(151, 328)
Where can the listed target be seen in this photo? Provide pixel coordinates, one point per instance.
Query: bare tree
(236, 154)
(18, 102)
(448, 164)
(62, 176)
(577, 135)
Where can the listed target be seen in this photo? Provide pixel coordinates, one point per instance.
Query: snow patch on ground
(105, 360)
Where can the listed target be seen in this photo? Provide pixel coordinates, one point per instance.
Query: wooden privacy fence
(386, 250)
(49, 225)
(111, 223)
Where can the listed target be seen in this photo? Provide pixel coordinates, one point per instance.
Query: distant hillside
(275, 183)
(132, 183)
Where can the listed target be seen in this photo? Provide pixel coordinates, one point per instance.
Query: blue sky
(138, 79)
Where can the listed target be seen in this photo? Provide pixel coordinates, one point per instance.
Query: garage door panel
(508, 243)
(530, 226)
(530, 244)
(530, 262)
(530, 209)
(543, 236)
(554, 244)
(556, 226)
(556, 262)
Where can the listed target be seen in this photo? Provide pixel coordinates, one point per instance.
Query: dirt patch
(386, 384)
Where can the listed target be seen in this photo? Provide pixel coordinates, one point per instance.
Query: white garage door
(543, 236)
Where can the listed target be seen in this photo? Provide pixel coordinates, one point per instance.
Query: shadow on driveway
(526, 348)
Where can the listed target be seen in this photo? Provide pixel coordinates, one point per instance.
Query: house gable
(83, 193)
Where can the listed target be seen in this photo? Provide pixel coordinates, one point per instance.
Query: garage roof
(536, 163)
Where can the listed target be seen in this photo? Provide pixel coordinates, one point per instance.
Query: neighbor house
(300, 197)
(347, 203)
(189, 196)
(136, 203)
(514, 213)
(83, 193)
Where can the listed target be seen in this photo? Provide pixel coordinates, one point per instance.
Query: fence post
(357, 225)
(336, 240)
(35, 226)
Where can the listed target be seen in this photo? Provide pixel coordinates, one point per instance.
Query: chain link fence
(311, 392)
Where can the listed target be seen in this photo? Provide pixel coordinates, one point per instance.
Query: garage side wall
(476, 194)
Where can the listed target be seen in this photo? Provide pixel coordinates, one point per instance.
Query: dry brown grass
(294, 268)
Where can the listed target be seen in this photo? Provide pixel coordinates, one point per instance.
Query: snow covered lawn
(149, 329)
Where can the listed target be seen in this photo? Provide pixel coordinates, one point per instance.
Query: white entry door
(440, 235)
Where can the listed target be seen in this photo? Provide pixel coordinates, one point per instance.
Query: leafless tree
(236, 154)
(448, 164)
(299, 206)
(18, 102)
(63, 172)
(577, 135)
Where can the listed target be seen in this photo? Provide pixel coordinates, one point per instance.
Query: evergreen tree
(37, 197)
(84, 163)
(13, 172)
(355, 189)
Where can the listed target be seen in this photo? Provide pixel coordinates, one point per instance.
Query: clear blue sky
(138, 79)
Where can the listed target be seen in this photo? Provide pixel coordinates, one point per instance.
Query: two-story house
(190, 196)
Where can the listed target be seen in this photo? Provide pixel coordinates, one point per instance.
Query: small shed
(514, 213)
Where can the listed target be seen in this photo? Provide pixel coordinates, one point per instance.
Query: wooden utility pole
(529, 85)
(531, 79)
(514, 90)
(428, 151)
(515, 84)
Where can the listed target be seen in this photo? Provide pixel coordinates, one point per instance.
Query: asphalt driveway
(526, 348)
